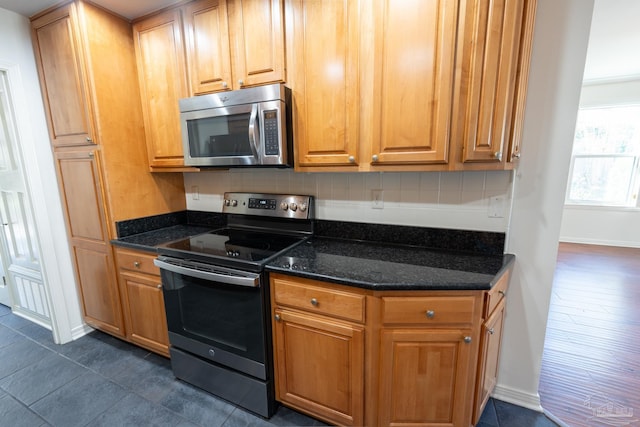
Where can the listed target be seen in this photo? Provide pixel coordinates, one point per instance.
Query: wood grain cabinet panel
(424, 376)
(162, 75)
(320, 366)
(208, 48)
(414, 67)
(63, 78)
(256, 30)
(495, 50)
(87, 68)
(323, 43)
(142, 300)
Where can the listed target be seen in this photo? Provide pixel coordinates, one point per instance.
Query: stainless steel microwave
(245, 127)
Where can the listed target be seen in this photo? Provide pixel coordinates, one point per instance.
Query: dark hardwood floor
(591, 361)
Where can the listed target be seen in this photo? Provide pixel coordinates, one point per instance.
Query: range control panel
(274, 205)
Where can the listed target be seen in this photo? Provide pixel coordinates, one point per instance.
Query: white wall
(16, 52)
(559, 50)
(597, 224)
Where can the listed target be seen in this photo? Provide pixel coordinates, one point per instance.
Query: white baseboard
(80, 331)
(585, 241)
(30, 316)
(517, 397)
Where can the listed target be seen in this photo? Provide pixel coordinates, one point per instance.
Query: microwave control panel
(271, 144)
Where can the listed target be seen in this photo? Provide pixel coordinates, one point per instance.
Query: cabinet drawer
(137, 261)
(319, 300)
(496, 294)
(428, 310)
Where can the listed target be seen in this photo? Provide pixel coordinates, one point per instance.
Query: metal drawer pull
(467, 339)
(430, 314)
(136, 264)
(159, 286)
(277, 317)
(491, 331)
(314, 302)
(503, 293)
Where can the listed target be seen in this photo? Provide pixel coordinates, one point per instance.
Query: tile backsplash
(457, 200)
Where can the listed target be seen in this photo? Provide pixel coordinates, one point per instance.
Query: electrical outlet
(377, 200)
(496, 207)
(195, 195)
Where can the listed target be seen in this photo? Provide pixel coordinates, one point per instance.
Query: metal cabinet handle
(503, 293)
(136, 264)
(352, 159)
(240, 82)
(491, 331)
(467, 339)
(430, 314)
(89, 139)
(498, 155)
(159, 286)
(91, 154)
(224, 85)
(277, 316)
(314, 302)
(515, 156)
(374, 158)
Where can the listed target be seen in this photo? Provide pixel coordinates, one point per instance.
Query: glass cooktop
(239, 245)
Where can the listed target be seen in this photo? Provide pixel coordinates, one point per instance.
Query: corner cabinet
(384, 86)
(202, 47)
(87, 72)
(352, 356)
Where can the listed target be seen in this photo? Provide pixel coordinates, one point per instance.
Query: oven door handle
(251, 280)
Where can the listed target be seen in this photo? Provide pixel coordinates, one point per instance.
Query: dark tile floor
(99, 380)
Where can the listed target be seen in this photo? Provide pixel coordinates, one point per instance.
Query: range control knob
(227, 202)
(284, 206)
(303, 207)
(293, 206)
(234, 203)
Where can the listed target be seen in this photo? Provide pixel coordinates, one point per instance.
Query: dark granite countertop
(378, 266)
(150, 240)
(371, 256)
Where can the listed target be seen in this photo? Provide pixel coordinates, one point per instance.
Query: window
(606, 157)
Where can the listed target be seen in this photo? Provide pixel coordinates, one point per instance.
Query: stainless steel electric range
(217, 297)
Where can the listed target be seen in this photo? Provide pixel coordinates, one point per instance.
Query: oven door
(216, 313)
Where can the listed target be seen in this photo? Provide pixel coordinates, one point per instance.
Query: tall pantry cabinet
(87, 71)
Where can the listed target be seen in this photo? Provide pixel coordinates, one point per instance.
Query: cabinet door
(208, 54)
(257, 41)
(63, 78)
(162, 75)
(423, 377)
(319, 366)
(95, 270)
(490, 342)
(413, 80)
(323, 42)
(144, 311)
(492, 35)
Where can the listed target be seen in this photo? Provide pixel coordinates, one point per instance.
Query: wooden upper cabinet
(257, 41)
(323, 50)
(414, 59)
(63, 78)
(162, 74)
(207, 36)
(494, 66)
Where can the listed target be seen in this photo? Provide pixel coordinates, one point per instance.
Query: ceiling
(614, 40)
(128, 8)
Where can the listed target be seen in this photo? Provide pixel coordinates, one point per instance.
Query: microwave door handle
(253, 131)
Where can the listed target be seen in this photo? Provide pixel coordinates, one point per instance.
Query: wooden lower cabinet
(142, 301)
(320, 364)
(424, 376)
(352, 356)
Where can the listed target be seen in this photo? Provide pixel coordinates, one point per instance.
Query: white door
(18, 243)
